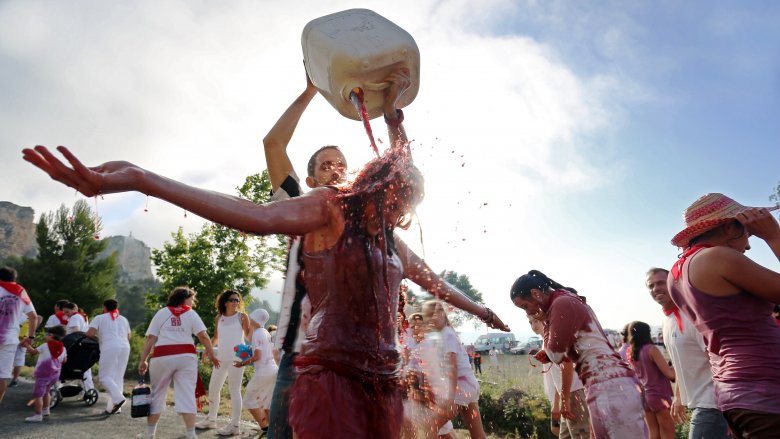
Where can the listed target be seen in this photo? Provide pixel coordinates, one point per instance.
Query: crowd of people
(345, 344)
(721, 334)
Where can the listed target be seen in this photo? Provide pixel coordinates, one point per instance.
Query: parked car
(533, 344)
(502, 341)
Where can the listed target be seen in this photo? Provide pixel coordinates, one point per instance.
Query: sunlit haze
(566, 137)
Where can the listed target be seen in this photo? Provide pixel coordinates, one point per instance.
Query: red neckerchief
(55, 349)
(115, 313)
(62, 317)
(677, 316)
(179, 310)
(17, 290)
(677, 267)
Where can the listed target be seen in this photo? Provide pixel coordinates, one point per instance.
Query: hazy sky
(561, 136)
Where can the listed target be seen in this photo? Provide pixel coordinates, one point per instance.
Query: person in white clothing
(257, 398)
(175, 358)
(458, 389)
(58, 318)
(231, 328)
(691, 363)
(21, 349)
(113, 334)
(77, 323)
(413, 374)
(14, 302)
(569, 415)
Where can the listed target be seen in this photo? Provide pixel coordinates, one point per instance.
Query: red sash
(17, 290)
(173, 349)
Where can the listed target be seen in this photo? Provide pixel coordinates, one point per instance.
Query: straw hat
(705, 214)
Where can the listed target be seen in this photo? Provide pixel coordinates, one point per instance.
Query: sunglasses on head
(234, 300)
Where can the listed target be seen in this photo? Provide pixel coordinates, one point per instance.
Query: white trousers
(88, 382)
(7, 354)
(182, 369)
(113, 363)
(234, 376)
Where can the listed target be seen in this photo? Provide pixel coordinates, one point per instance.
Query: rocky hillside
(133, 257)
(17, 238)
(17, 231)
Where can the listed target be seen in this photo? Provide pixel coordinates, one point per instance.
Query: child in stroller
(83, 352)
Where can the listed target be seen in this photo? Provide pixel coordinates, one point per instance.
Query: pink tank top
(653, 380)
(353, 289)
(743, 343)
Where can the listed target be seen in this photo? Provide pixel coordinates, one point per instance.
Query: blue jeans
(708, 423)
(278, 425)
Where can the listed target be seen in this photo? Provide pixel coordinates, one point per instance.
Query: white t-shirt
(549, 386)
(11, 309)
(451, 343)
(53, 321)
(111, 332)
(171, 330)
(691, 363)
(557, 378)
(76, 323)
(264, 365)
(44, 355)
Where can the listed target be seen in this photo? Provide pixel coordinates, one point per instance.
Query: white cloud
(501, 124)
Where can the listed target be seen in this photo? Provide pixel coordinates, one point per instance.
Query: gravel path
(72, 419)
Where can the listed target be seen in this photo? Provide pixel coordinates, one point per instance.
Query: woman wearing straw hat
(729, 299)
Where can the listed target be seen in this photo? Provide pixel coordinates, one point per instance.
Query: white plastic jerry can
(358, 48)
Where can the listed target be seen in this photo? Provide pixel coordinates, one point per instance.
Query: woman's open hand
(110, 177)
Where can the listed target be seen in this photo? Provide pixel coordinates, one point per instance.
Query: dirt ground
(73, 419)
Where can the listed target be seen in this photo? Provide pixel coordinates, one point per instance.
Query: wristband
(394, 123)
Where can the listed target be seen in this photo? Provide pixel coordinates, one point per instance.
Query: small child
(51, 355)
(260, 389)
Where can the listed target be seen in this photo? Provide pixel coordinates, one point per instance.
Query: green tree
(218, 258)
(462, 282)
(459, 281)
(775, 197)
(68, 265)
(132, 300)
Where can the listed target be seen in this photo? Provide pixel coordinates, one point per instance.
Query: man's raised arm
(277, 139)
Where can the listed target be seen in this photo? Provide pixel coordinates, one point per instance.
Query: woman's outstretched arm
(297, 216)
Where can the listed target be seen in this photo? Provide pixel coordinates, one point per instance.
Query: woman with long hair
(174, 358)
(572, 331)
(231, 328)
(655, 376)
(729, 298)
(351, 272)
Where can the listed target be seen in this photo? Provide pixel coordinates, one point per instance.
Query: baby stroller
(83, 353)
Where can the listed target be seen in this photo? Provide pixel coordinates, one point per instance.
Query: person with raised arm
(352, 268)
(729, 298)
(328, 166)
